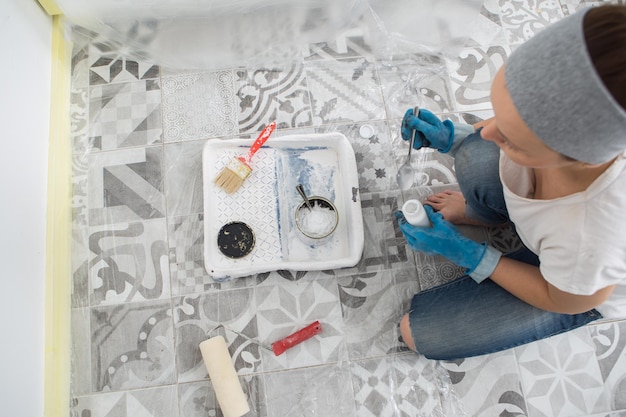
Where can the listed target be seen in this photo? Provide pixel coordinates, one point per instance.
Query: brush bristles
(231, 178)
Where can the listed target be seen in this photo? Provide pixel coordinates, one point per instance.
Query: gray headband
(561, 98)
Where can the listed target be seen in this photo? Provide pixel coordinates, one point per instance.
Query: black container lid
(235, 240)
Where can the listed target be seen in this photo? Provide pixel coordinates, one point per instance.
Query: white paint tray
(267, 201)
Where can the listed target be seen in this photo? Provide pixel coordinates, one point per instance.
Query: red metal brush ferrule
(308, 332)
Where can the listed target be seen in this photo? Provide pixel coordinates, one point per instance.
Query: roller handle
(263, 137)
(308, 332)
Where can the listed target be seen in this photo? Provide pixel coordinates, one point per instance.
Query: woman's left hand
(444, 239)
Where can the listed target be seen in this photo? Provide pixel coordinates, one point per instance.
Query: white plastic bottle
(415, 214)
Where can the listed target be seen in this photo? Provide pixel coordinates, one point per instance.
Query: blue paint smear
(292, 168)
(316, 179)
(278, 173)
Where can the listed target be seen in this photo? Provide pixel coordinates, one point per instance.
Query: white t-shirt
(581, 238)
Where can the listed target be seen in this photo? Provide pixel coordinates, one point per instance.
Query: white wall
(25, 55)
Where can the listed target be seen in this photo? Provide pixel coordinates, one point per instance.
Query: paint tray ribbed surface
(267, 201)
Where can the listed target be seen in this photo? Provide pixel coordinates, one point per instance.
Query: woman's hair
(605, 35)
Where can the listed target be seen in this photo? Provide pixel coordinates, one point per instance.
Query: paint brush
(232, 176)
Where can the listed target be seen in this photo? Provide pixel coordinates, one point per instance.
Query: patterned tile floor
(142, 300)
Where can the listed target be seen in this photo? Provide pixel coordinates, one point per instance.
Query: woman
(553, 162)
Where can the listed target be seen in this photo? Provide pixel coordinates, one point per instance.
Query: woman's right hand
(431, 132)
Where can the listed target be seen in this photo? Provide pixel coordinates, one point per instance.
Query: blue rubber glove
(444, 239)
(431, 132)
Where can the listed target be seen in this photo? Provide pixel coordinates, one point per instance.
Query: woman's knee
(405, 331)
(477, 171)
(477, 159)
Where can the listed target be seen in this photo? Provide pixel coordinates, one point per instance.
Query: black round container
(235, 240)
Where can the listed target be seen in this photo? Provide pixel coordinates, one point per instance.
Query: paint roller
(219, 365)
(226, 384)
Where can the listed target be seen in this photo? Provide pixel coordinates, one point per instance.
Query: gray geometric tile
(79, 119)
(281, 311)
(199, 106)
(276, 94)
(349, 44)
(418, 79)
(125, 185)
(433, 271)
(132, 346)
(423, 387)
(373, 387)
(186, 255)
(280, 277)
(488, 385)
(195, 318)
(402, 385)
(487, 29)
(80, 266)
(323, 391)
(125, 115)
(183, 178)
(107, 70)
(372, 309)
(80, 232)
(128, 262)
(610, 343)
(344, 91)
(80, 181)
(152, 402)
(523, 19)
(197, 399)
(372, 150)
(561, 376)
(472, 75)
(115, 44)
(80, 66)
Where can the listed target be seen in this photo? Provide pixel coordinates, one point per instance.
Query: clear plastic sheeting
(398, 26)
(220, 34)
(399, 384)
(152, 83)
(328, 390)
(143, 300)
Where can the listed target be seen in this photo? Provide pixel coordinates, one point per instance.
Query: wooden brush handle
(263, 137)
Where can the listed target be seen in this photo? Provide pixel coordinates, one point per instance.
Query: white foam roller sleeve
(224, 378)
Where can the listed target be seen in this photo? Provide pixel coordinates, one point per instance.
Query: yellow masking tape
(50, 6)
(58, 233)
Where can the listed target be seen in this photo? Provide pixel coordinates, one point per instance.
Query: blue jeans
(461, 319)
